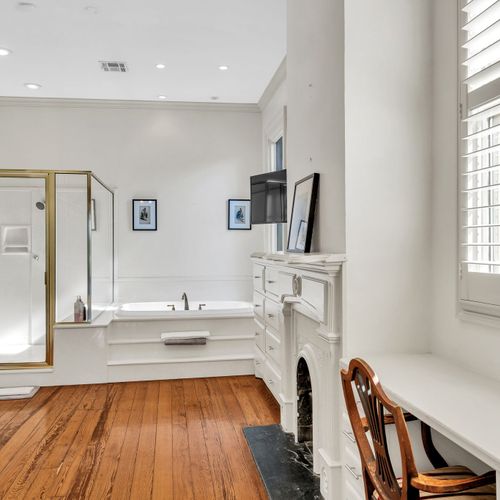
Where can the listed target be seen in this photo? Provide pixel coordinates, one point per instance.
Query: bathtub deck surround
(298, 332)
(127, 345)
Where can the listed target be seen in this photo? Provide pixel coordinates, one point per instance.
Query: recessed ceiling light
(25, 5)
(91, 9)
(5, 52)
(160, 66)
(162, 97)
(32, 86)
(223, 67)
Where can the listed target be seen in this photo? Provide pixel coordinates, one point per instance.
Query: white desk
(461, 405)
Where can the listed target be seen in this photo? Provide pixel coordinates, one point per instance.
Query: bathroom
(144, 151)
(137, 299)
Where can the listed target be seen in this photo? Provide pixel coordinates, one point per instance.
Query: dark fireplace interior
(304, 405)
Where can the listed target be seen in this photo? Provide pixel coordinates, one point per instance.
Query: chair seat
(457, 472)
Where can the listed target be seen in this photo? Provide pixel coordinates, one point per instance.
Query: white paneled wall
(191, 158)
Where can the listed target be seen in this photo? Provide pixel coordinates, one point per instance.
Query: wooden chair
(378, 474)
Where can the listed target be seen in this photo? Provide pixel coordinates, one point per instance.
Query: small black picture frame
(302, 221)
(144, 214)
(239, 214)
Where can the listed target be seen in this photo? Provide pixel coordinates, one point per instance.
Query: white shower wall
(22, 288)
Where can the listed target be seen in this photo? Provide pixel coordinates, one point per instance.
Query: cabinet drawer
(350, 493)
(352, 471)
(258, 305)
(272, 314)
(273, 348)
(260, 338)
(273, 380)
(258, 278)
(259, 363)
(272, 281)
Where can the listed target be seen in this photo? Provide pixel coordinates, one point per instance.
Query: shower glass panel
(23, 266)
(101, 225)
(72, 243)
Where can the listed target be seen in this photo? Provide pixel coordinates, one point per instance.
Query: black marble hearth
(285, 466)
(304, 403)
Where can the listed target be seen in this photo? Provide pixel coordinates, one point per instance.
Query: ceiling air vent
(114, 66)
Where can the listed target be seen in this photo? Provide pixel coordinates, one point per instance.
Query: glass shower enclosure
(56, 243)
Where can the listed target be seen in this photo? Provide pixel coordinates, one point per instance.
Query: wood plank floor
(177, 439)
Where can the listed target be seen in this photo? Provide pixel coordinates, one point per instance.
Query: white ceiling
(58, 43)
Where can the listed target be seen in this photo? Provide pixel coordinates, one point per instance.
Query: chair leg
(369, 488)
(434, 456)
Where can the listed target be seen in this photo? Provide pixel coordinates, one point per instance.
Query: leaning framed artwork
(302, 222)
(238, 214)
(144, 216)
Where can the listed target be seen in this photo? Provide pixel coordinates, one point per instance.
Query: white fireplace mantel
(298, 302)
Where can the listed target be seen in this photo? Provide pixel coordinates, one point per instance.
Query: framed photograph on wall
(239, 214)
(302, 221)
(144, 216)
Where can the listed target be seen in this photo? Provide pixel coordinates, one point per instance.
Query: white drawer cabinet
(273, 379)
(352, 471)
(272, 313)
(352, 493)
(272, 282)
(258, 278)
(260, 337)
(260, 363)
(273, 347)
(258, 305)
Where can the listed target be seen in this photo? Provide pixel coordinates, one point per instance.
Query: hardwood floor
(177, 439)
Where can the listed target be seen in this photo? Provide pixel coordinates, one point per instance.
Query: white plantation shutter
(480, 156)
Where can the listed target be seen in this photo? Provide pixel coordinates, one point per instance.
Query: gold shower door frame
(50, 247)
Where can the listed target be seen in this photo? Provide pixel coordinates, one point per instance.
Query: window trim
(273, 131)
(472, 311)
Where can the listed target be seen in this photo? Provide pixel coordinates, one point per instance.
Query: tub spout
(186, 303)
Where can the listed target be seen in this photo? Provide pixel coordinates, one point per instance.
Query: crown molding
(49, 102)
(278, 78)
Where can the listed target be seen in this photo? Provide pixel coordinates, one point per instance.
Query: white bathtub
(210, 309)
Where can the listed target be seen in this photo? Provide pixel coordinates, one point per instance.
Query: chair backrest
(370, 432)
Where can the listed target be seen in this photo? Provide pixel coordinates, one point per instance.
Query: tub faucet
(186, 303)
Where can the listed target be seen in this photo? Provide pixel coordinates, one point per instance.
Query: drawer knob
(257, 333)
(269, 281)
(271, 381)
(352, 470)
(269, 315)
(258, 363)
(257, 305)
(270, 348)
(257, 277)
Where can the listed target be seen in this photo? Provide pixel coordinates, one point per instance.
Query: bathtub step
(212, 338)
(197, 359)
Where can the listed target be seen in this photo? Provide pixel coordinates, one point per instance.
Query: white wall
(388, 175)
(315, 125)
(272, 105)
(192, 159)
(22, 288)
(470, 343)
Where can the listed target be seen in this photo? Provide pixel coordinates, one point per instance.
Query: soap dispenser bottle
(79, 310)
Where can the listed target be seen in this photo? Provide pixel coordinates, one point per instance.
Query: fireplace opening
(304, 405)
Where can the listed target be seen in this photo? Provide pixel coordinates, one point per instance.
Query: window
(278, 230)
(480, 157)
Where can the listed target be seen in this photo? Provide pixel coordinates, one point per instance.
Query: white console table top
(461, 405)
